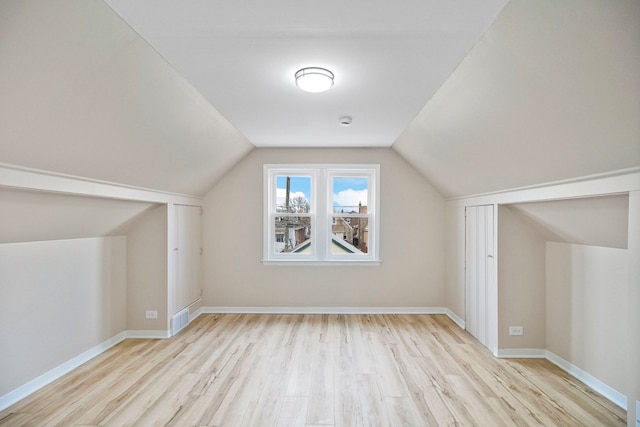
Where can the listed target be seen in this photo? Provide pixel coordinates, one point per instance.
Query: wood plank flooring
(313, 370)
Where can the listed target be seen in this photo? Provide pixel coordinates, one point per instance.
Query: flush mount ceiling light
(314, 79)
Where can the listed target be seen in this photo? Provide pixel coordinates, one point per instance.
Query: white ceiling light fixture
(314, 79)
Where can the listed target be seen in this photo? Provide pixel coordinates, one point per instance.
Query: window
(321, 213)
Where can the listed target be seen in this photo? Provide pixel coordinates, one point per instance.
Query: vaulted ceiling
(169, 95)
(242, 56)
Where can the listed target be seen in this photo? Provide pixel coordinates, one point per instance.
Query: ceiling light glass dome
(314, 79)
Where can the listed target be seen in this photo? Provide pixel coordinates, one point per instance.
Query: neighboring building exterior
(288, 242)
(350, 233)
(353, 229)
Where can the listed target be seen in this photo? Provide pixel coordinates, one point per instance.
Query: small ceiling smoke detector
(345, 121)
(314, 79)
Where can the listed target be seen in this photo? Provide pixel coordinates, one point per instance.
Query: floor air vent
(179, 321)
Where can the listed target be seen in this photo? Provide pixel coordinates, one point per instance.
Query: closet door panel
(479, 274)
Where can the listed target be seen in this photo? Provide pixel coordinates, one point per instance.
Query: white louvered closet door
(480, 274)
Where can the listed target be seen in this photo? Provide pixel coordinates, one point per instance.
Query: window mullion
(320, 214)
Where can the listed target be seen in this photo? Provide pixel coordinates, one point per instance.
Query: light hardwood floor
(313, 370)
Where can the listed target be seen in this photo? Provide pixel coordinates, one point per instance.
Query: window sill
(306, 263)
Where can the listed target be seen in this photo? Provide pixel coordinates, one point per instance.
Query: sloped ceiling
(28, 216)
(594, 221)
(551, 92)
(82, 94)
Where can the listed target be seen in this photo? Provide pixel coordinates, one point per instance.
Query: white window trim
(321, 213)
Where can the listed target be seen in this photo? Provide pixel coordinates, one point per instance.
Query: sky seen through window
(348, 192)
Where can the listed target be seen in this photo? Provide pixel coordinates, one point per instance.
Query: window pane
(350, 194)
(293, 194)
(321, 213)
(349, 235)
(292, 234)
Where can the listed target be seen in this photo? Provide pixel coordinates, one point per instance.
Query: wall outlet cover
(151, 314)
(516, 330)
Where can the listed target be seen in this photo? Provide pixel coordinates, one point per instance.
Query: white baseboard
(521, 353)
(608, 392)
(55, 373)
(149, 334)
(456, 319)
(193, 316)
(327, 310)
(597, 385)
(331, 310)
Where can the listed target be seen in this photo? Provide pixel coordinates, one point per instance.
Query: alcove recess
(563, 274)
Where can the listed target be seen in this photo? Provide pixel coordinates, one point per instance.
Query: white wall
(57, 299)
(411, 242)
(587, 320)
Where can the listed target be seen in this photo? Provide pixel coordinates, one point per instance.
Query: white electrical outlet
(151, 314)
(516, 330)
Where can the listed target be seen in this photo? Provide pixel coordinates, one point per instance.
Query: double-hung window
(321, 213)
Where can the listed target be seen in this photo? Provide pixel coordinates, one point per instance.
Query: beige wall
(521, 281)
(411, 241)
(58, 299)
(147, 273)
(587, 291)
(455, 259)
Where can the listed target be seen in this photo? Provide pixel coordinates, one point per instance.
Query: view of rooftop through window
(349, 222)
